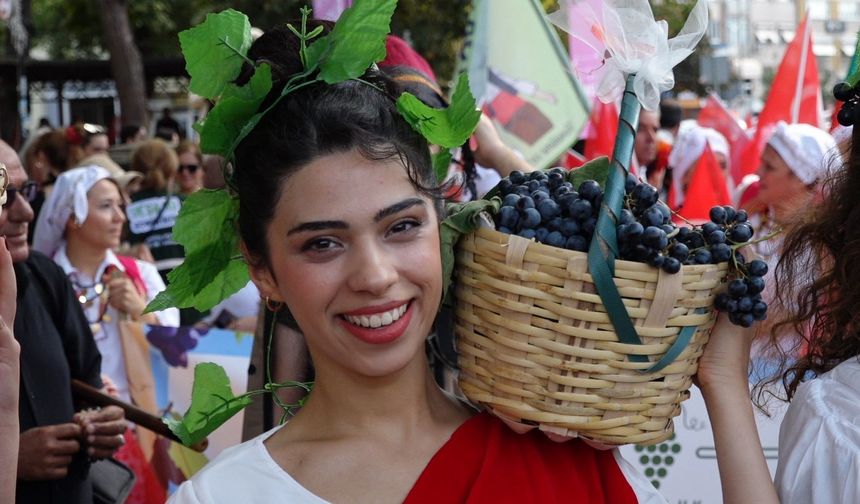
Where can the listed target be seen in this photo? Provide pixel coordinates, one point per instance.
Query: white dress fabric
(246, 473)
(819, 440)
(107, 337)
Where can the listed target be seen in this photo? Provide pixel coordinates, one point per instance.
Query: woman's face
(98, 144)
(354, 253)
(103, 227)
(778, 185)
(190, 173)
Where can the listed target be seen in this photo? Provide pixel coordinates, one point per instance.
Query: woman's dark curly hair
(314, 121)
(818, 281)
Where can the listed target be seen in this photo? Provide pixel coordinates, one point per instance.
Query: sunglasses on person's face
(190, 168)
(27, 191)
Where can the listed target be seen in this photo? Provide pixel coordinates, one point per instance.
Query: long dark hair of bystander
(818, 280)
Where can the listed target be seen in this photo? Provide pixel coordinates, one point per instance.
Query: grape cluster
(717, 241)
(742, 300)
(645, 230)
(545, 206)
(850, 110)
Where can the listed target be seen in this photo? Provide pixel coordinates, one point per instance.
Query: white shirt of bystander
(106, 330)
(819, 440)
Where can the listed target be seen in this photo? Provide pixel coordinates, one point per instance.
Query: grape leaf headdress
(215, 52)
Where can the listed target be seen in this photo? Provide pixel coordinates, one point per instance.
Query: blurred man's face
(645, 146)
(16, 214)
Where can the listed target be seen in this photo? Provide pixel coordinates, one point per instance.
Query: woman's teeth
(377, 319)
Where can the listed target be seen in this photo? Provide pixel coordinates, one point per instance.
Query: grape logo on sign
(656, 459)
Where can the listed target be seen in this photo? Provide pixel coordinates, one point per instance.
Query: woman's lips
(370, 310)
(384, 333)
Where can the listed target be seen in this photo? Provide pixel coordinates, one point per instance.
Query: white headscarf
(808, 151)
(67, 199)
(687, 150)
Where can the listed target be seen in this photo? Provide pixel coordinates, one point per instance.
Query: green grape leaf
(597, 169)
(203, 280)
(215, 50)
(204, 214)
(463, 218)
(449, 127)
(212, 269)
(212, 404)
(316, 51)
(221, 126)
(441, 163)
(356, 41)
(854, 67)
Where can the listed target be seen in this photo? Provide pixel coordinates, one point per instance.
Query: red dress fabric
(487, 462)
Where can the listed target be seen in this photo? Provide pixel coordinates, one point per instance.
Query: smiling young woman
(339, 220)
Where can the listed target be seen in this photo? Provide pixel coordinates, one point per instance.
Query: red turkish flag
(795, 97)
(603, 124)
(715, 115)
(707, 189)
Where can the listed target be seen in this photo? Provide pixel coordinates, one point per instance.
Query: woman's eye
(404, 226)
(319, 245)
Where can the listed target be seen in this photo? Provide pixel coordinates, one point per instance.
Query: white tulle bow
(630, 41)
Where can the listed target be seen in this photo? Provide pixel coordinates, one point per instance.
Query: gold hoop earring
(274, 306)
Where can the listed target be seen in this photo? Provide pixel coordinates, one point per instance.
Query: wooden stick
(91, 395)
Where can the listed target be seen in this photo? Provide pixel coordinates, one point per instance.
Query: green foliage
(597, 169)
(449, 127)
(215, 51)
(463, 218)
(441, 164)
(212, 404)
(357, 40)
(71, 29)
(435, 29)
(237, 105)
(213, 268)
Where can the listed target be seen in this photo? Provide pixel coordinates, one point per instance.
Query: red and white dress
(483, 462)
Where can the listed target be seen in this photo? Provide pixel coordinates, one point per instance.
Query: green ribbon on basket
(604, 245)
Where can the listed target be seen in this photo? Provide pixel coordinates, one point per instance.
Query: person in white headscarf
(795, 158)
(79, 227)
(688, 148)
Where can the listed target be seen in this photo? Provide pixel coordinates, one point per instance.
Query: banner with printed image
(521, 77)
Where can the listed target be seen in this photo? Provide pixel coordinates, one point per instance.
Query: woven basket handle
(604, 245)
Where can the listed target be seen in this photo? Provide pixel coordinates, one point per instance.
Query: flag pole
(801, 72)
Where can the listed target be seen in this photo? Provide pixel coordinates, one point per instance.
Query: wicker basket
(537, 348)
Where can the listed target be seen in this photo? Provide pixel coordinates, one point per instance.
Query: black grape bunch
(850, 95)
(546, 207)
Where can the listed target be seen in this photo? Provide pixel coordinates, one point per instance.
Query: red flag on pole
(603, 127)
(795, 96)
(715, 115)
(707, 189)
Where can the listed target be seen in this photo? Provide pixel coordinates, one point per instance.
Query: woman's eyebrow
(318, 226)
(336, 224)
(397, 207)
